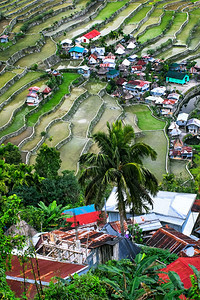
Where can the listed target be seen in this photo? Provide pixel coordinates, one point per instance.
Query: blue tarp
(80, 210)
(126, 248)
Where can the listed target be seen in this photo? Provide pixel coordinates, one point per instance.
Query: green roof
(113, 72)
(176, 75)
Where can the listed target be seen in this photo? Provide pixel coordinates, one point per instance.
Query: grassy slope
(145, 119)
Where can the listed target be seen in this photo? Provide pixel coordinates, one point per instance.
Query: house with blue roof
(77, 52)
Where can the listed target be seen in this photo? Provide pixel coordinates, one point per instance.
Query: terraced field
(69, 120)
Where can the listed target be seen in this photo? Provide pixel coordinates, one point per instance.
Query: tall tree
(119, 163)
(48, 162)
(10, 154)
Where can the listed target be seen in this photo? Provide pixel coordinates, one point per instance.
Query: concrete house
(137, 87)
(173, 209)
(77, 52)
(177, 77)
(182, 119)
(92, 35)
(85, 71)
(193, 126)
(4, 38)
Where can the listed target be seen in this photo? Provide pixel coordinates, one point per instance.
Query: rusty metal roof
(196, 206)
(116, 226)
(48, 269)
(169, 238)
(90, 238)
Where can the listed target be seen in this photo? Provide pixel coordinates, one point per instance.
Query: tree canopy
(10, 154)
(48, 162)
(119, 162)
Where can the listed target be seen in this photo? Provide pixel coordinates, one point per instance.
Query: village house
(99, 51)
(174, 96)
(173, 209)
(131, 45)
(112, 74)
(174, 130)
(132, 58)
(77, 52)
(84, 71)
(82, 246)
(93, 59)
(193, 126)
(4, 38)
(154, 100)
(182, 119)
(158, 91)
(67, 43)
(177, 77)
(182, 267)
(179, 151)
(137, 87)
(32, 99)
(168, 107)
(86, 38)
(174, 241)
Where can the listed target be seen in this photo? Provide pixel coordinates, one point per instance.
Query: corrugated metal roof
(84, 219)
(148, 222)
(181, 267)
(80, 210)
(91, 238)
(196, 206)
(169, 238)
(48, 269)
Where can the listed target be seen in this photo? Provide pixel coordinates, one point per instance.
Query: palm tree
(119, 163)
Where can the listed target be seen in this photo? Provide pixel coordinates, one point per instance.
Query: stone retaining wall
(23, 52)
(144, 19)
(9, 83)
(51, 60)
(36, 8)
(74, 16)
(66, 140)
(151, 25)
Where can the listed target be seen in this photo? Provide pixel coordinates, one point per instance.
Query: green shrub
(164, 255)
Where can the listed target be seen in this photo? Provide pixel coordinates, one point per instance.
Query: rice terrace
(69, 67)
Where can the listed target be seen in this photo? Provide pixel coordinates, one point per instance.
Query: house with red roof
(92, 35)
(137, 87)
(93, 59)
(48, 268)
